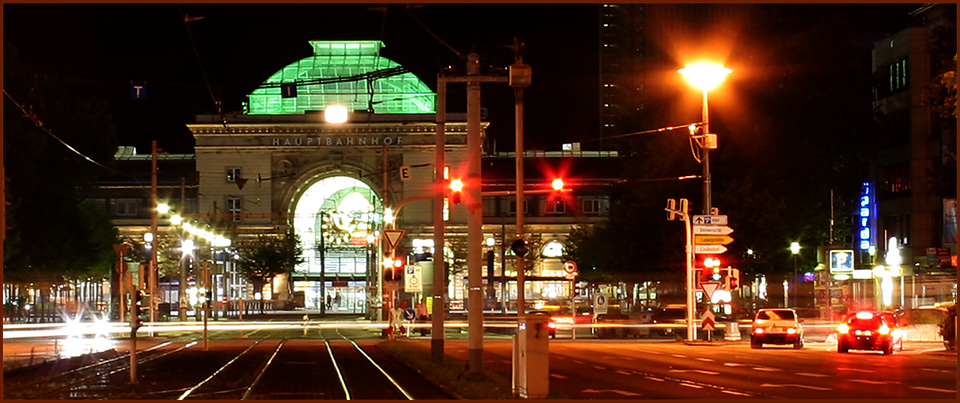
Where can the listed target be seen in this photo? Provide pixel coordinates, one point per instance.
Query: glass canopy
(350, 73)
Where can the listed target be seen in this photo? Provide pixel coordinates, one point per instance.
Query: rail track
(278, 365)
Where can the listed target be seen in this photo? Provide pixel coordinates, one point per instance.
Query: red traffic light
(456, 187)
(557, 184)
(711, 262)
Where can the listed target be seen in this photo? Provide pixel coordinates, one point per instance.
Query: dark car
(868, 330)
(670, 319)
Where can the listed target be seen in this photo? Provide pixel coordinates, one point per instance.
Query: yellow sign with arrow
(712, 239)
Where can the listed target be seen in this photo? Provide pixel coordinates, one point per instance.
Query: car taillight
(758, 330)
(843, 328)
(884, 329)
(791, 330)
(552, 325)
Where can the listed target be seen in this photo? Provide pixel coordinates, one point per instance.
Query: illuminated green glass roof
(324, 79)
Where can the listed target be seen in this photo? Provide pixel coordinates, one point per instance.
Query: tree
(54, 236)
(269, 256)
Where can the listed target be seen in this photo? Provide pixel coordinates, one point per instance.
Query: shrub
(948, 328)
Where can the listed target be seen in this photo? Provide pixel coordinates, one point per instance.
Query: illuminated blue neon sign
(866, 216)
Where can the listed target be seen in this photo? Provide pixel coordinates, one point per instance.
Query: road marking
(696, 370)
(933, 389)
(813, 375)
(704, 359)
(558, 376)
(734, 364)
(767, 369)
(690, 385)
(654, 379)
(599, 367)
(855, 369)
(937, 370)
(774, 385)
(679, 355)
(735, 393)
(622, 372)
(872, 382)
(577, 362)
(617, 391)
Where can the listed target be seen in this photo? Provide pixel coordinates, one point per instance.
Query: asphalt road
(594, 369)
(586, 368)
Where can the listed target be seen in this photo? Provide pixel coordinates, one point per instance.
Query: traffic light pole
(691, 300)
(133, 332)
(439, 272)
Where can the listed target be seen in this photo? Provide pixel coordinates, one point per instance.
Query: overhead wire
(36, 121)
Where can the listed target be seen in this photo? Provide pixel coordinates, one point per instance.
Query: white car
(776, 326)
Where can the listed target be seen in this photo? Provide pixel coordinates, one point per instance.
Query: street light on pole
(705, 76)
(795, 249)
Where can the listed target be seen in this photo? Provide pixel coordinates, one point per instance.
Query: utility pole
(474, 220)
(152, 272)
(439, 271)
(519, 78)
(474, 202)
(182, 286)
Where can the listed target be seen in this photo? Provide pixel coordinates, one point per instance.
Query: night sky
(226, 50)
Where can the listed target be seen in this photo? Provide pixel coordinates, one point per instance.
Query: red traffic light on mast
(456, 188)
(557, 184)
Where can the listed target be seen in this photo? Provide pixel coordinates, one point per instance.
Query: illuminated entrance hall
(338, 221)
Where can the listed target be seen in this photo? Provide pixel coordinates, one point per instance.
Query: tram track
(278, 364)
(74, 383)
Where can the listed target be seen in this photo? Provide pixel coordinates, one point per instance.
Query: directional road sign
(709, 220)
(712, 230)
(711, 249)
(711, 239)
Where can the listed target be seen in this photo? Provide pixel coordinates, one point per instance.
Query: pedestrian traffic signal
(456, 188)
(733, 278)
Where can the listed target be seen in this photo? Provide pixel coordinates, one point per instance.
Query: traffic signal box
(393, 269)
(711, 271)
(733, 278)
(456, 189)
(138, 308)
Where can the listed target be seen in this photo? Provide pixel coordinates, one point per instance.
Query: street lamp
(705, 76)
(795, 249)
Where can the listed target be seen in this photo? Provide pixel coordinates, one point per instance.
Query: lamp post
(795, 250)
(705, 76)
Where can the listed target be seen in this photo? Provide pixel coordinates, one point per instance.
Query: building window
(894, 179)
(490, 206)
(125, 207)
(593, 206)
(898, 75)
(555, 207)
(235, 207)
(513, 207)
(233, 174)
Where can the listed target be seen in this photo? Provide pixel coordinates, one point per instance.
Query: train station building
(279, 165)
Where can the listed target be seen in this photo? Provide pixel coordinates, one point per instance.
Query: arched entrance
(338, 220)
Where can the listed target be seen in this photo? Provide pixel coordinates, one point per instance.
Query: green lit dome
(320, 81)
